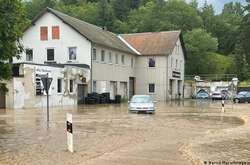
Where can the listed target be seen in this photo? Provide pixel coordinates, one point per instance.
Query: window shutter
(55, 32)
(44, 33)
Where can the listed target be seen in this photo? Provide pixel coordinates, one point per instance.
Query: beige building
(127, 64)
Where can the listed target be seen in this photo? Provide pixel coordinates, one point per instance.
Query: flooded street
(188, 132)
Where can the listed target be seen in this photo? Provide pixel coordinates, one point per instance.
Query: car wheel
(236, 100)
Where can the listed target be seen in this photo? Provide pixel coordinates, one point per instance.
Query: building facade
(82, 58)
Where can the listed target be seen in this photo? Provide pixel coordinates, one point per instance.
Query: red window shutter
(44, 33)
(55, 32)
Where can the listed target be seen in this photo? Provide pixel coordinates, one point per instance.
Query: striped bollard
(69, 132)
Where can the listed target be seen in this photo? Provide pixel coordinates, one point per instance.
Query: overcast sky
(218, 4)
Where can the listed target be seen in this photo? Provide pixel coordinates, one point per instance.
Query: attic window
(55, 33)
(44, 33)
(151, 62)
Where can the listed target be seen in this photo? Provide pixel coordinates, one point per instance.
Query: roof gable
(153, 43)
(93, 33)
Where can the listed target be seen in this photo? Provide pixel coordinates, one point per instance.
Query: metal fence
(212, 77)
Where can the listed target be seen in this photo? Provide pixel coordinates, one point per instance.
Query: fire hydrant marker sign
(69, 127)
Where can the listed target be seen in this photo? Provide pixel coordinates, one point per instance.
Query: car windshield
(141, 99)
(242, 93)
(202, 94)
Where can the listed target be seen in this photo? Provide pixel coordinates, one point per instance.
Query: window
(110, 57)
(55, 33)
(72, 53)
(59, 85)
(103, 56)
(29, 55)
(123, 59)
(151, 62)
(71, 86)
(43, 33)
(176, 63)
(151, 88)
(116, 59)
(171, 62)
(132, 62)
(94, 53)
(94, 86)
(50, 54)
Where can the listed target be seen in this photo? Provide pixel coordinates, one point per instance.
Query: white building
(83, 58)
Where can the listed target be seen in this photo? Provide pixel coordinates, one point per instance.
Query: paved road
(109, 135)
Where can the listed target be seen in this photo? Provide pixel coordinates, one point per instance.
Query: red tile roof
(153, 43)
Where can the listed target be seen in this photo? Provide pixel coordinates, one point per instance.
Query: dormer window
(55, 33)
(44, 33)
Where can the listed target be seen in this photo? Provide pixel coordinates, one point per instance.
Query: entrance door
(113, 89)
(131, 87)
(2, 100)
(179, 89)
(171, 88)
(81, 93)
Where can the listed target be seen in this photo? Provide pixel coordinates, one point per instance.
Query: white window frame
(69, 53)
(110, 57)
(72, 86)
(61, 85)
(123, 59)
(117, 59)
(154, 62)
(27, 54)
(103, 53)
(47, 54)
(149, 88)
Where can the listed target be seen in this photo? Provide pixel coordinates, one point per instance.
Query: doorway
(113, 89)
(82, 91)
(131, 87)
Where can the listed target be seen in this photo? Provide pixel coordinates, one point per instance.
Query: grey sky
(218, 4)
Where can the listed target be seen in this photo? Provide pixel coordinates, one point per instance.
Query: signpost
(69, 126)
(223, 105)
(46, 84)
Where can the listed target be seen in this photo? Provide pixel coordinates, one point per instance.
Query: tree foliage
(217, 40)
(12, 23)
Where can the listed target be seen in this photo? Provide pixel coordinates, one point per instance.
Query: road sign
(46, 83)
(69, 126)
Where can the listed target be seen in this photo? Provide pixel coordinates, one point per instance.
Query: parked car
(216, 95)
(202, 95)
(142, 103)
(242, 97)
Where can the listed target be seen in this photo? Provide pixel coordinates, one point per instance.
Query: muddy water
(108, 134)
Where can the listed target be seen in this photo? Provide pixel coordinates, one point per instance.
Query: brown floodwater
(178, 133)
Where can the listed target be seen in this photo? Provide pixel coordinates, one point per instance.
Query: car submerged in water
(242, 97)
(142, 103)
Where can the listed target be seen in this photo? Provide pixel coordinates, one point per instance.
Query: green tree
(207, 14)
(245, 32)
(12, 23)
(33, 7)
(198, 43)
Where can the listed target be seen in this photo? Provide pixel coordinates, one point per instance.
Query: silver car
(141, 103)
